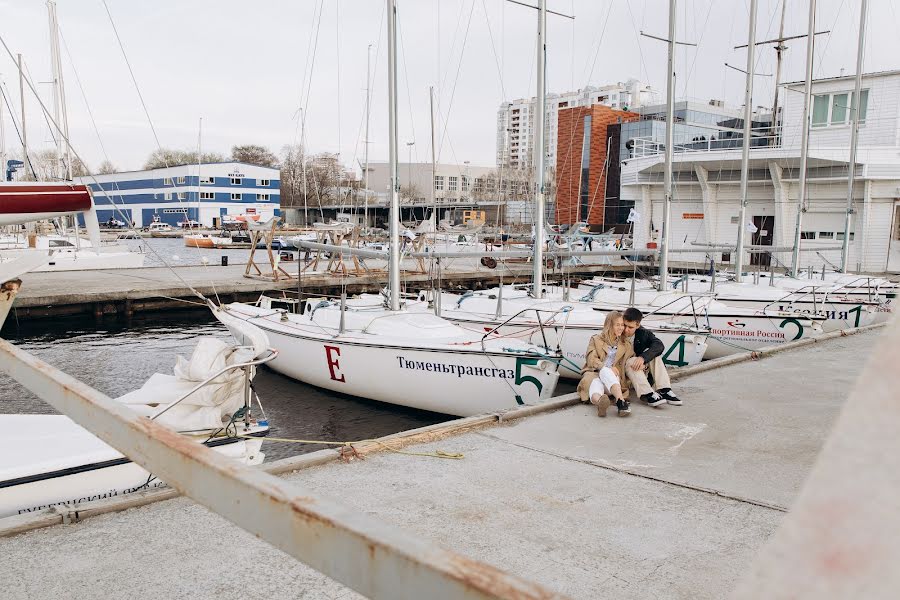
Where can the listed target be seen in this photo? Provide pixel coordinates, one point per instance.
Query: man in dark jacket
(648, 351)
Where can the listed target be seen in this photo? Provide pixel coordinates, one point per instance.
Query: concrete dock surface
(672, 502)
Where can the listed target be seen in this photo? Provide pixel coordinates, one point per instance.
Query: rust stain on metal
(494, 581)
(10, 287)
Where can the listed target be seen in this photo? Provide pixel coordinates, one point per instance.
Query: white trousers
(606, 378)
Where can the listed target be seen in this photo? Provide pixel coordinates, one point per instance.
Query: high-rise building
(515, 120)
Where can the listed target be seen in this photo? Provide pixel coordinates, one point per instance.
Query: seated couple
(624, 347)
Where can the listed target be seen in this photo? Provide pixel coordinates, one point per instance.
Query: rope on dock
(349, 446)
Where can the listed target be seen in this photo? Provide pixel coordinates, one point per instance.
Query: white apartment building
(706, 199)
(515, 120)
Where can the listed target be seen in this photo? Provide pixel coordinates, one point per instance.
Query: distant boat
(22, 203)
(206, 240)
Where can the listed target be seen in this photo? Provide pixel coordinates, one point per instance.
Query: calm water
(116, 360)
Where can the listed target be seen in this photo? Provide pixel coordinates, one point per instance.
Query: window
(236, 196)
(465, 183)
(807, 235)
(826, 235)
(167, 181)
(439, 183)
(839, 109)
(182, 195)
(264, 183)
(207, 196)
(834, 109)
(180, 180)
(167, 196)
(170, 211)
(840, 235)
(262, 197)
(236, 181)
(452, 183)
(207, 180)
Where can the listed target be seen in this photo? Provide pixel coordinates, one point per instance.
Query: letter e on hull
(332, 356)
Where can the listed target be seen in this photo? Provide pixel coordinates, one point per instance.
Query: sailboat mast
(670, 141)
(804, 138)
(433, 157)
(366, 170)
(199, 155)
(745, 153)
(394, 266)
(63, 151)
(2, 136)
(854, 133)
(539, 153)
(779, 50)
(24, 134)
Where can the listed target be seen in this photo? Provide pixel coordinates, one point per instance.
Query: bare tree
(292, 176)
(167, 157)
(79, 169)
(410, 192)
(254, 155)
(107, 168)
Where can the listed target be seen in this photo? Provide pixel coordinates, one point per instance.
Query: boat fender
(467, 295)
(320, 304)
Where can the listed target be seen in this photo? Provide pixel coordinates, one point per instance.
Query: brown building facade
(583, 146)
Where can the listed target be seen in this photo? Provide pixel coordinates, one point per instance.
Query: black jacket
(647, 345)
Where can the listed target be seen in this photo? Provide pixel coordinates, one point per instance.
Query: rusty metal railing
(375, 559)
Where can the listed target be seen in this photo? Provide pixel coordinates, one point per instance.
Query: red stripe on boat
(43, 198)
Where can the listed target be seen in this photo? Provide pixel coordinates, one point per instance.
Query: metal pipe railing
(376, 559)
(244, 365)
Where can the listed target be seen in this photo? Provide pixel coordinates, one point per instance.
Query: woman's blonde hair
(607, 335)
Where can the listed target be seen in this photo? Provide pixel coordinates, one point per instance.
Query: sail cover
(24, 202)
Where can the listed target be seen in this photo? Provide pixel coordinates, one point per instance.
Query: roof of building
(840, 77)
(224, 162)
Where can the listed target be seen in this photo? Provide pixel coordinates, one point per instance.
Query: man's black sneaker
(624, 407)
(669, 396)
(653, 399)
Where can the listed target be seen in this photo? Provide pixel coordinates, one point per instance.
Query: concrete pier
(672, 502)
(126, 292)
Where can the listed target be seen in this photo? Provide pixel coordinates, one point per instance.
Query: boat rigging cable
(97, 183)
(165, 159)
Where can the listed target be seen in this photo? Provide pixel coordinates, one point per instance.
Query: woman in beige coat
(604, 367)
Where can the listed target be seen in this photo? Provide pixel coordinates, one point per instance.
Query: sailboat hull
(83, 469)
(464, 381)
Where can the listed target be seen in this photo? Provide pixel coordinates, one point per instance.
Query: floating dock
(674, 502)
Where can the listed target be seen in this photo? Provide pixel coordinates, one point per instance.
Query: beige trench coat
(595, 359)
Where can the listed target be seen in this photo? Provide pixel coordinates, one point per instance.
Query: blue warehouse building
(202, 193)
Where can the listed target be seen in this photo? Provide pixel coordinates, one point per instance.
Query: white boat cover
(207, 407)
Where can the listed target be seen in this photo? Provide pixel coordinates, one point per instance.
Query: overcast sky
(246, 68)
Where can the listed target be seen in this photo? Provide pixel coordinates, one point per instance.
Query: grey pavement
(669, 503)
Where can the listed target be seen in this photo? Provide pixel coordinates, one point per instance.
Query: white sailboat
(837, 310)
(49, 460)
(392, 354)
(554, 322)
(24, 202)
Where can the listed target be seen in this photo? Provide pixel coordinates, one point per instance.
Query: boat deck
(669, 503)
